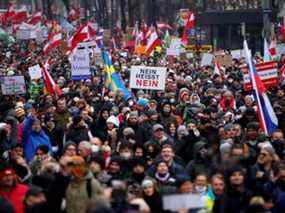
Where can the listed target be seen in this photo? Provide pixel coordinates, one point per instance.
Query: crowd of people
(90, 150)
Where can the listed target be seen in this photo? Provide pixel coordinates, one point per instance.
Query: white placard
(172, 52)
(80, 65)
(182, 201)
(13, 85)
(207, 59)
(152, 78)
(236, 53)
(35, 72)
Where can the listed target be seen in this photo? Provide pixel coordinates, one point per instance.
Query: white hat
(114, 120)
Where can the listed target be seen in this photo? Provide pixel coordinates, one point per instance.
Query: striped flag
(50, 85)
(54, 40)
(35, 18)
(152, 43)
(267, 117)
(113, 80)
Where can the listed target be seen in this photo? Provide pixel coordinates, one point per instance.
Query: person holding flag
(267, 117)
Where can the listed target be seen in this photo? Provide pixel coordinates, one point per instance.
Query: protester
(94, 143)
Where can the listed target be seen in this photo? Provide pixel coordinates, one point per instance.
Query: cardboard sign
(182, 201)
(225, 60)
(35, 72)
(80, 65)
(13, 85)
(207, 59)
(152, 78)
(267, 72)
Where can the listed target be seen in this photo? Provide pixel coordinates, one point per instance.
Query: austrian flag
(54, 41)
(152, 43)
(50, 85)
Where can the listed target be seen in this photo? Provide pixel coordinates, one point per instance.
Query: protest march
(140, 118)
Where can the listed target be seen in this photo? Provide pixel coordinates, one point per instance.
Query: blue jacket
(32, 140)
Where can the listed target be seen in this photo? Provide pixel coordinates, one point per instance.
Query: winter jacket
(77, 197)
(233, 201)
(16, 196)
(62, 118)
(77, 134)
(32, 140)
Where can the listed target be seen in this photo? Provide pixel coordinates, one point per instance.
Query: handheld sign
(80, 65)
(267, 72)
(13, 85)
(152, 78)
(35, 72)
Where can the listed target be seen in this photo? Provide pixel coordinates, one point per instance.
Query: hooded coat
(32, 139)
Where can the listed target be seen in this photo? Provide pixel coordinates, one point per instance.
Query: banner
(13, 85)
(152, 78)
(35, 72)
(267, 72)
(80, 65)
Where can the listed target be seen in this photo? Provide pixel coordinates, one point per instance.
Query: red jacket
(16, 196)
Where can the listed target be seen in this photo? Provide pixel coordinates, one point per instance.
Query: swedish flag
(113, 80)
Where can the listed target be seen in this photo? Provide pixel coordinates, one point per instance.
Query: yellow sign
(202, 49)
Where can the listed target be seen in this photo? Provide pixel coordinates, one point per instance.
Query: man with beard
(62, 115)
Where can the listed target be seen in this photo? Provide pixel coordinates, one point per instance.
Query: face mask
(95, 148)
(200, 189)
(230, 80)
(166, 110)
(126, 155)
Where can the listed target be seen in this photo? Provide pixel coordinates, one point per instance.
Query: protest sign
(23, 34)
(80, 66)
(182, 201)
(207, 59)
(35, 72)
(267, 72)
(13, 85)
(225, 60)
(152, 78)
(174, 48)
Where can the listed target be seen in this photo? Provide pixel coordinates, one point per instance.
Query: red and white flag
(84, 33)
(9, 13)
(217, 69)
(189, 25)
(54, 40)
(50, 84)
(152, 43)
(272, 47)
(35, 18)
(20, 16)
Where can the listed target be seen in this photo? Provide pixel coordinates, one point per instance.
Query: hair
(218, 176)
(86, 144)
(167, 146)
(44, 148)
